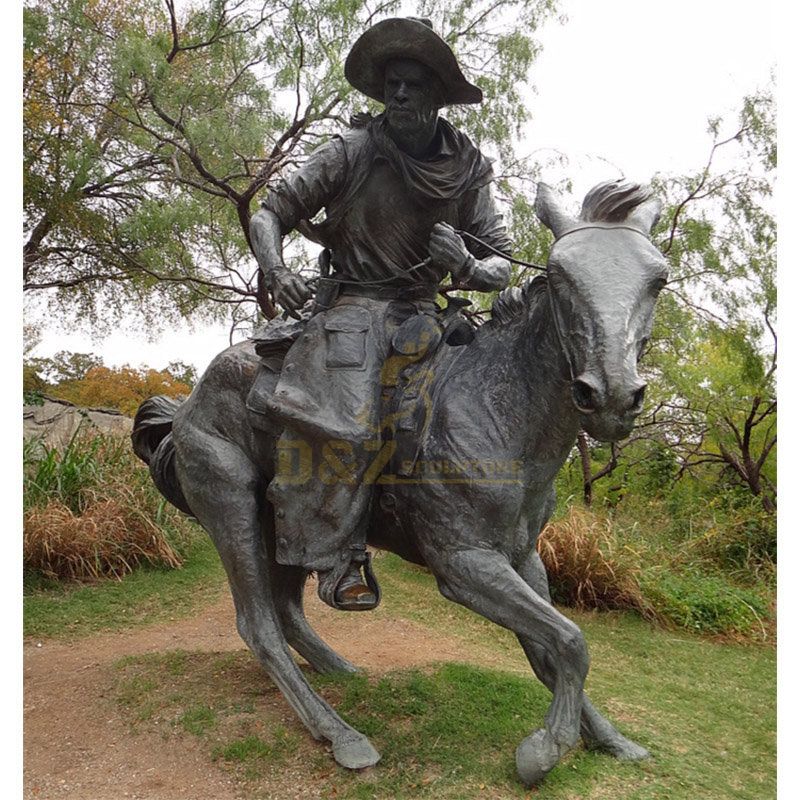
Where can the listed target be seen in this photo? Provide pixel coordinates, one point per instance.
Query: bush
(704, 602)
(91, 510)
(578, 552)
(742, 540)
(108, 540)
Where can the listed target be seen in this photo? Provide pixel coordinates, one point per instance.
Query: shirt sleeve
(307, 190)
(481, 218)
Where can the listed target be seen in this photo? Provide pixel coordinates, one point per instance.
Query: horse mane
(511, 302)
(609, 201)
(612, 201)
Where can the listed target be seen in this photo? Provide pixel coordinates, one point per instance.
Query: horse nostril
(583, 396)
(638, 398)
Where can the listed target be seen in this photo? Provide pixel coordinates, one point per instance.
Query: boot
(352, 594)
(347, 589)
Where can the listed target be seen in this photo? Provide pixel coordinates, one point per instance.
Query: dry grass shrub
(91, 511)
(583, 568)
(107, 540)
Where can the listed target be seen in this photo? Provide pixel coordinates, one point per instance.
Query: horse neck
(526, 359)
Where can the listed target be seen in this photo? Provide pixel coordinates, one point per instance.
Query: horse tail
(152, 442)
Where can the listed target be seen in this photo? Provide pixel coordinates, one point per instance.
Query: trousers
(329, 401)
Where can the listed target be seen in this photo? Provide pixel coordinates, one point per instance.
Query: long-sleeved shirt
(378, 221)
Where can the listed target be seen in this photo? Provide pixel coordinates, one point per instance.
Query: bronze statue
(389, 422)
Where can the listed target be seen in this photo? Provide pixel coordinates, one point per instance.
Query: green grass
(706, 710)
(197, 719)
(150, 594)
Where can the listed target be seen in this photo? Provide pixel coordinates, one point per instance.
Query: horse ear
(646, 216)
(550, 212)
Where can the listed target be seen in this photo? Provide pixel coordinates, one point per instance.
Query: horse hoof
(355, 752)
(536, 756)
(622, 748)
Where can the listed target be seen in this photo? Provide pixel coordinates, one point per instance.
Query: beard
(410, 121)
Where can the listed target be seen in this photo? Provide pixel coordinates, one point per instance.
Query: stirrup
(335, 583)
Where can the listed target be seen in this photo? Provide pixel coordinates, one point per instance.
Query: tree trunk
(586, 466)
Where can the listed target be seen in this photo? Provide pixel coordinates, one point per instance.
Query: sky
(622, 87)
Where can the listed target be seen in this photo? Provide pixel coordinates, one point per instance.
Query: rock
(57, 420)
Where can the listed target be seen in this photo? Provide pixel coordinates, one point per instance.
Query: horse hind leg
(225, 503)
(597, 732)
(287, 585)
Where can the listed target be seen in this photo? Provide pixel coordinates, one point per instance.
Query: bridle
(559, 334)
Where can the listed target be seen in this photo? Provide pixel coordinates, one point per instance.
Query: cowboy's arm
(472, 264)
(298, 197)
(288, 289)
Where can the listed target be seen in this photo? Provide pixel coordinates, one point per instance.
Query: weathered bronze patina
(376, 417)
(393, 189)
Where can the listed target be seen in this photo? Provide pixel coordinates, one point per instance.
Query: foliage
(584, 571)
(82, 379)
(105, 541)
(123, 388)
(704, 602)
(715, 378)
(64, 366)
(150, 132)
(91, 510)
(69, 477)
(705, 573)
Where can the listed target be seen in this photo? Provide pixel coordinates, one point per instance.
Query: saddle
(423, 347)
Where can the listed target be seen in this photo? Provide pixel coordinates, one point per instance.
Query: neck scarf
(457, 166)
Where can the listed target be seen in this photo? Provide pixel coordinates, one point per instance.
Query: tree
(719, 380)
(712, 358)
(150, 133)
(42, 375)
(123, 388)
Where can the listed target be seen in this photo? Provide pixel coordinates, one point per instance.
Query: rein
(494, 251)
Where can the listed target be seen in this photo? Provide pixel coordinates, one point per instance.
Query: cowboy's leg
(321, 515)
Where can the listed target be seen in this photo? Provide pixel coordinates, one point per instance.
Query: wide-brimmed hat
(406, 37)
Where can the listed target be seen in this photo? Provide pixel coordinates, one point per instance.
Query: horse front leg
(597, 732)
(485, 582)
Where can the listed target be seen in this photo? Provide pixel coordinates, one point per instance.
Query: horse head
(604, 275)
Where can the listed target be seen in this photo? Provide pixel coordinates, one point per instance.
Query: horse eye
(659, 284)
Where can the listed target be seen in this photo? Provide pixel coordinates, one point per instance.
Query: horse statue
(558, 355)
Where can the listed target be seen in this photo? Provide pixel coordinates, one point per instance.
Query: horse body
(561, 355)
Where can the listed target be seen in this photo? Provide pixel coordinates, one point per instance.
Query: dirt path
(77, 746)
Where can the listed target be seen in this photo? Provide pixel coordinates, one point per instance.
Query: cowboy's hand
(447, 250)
(288, 289)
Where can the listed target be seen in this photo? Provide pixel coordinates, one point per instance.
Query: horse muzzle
(608, 411)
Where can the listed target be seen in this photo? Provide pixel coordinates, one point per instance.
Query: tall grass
(640, 559)
(587, 567)
(91, 510)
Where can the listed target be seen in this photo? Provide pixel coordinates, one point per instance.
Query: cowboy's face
(411, 92)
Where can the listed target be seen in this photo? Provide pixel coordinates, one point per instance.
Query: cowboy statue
(395, 188)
